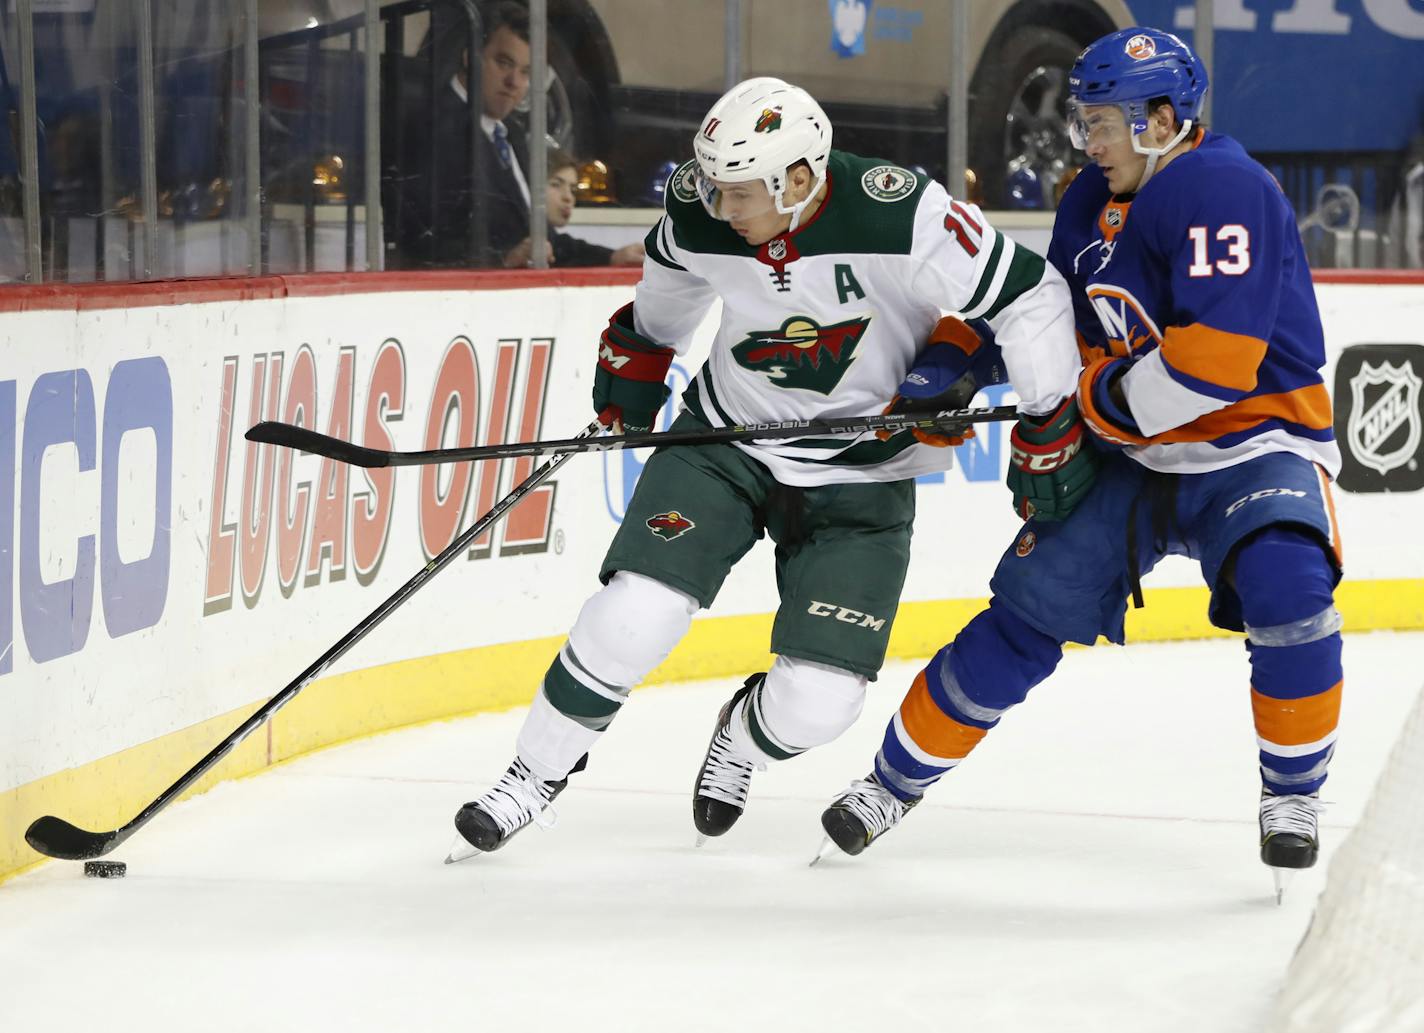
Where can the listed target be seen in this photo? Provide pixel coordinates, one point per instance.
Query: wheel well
(583, 32)
(1080, 20)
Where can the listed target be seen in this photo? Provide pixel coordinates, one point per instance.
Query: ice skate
(1290, 836)
(518, 799)
(860, 816)
(720, 793)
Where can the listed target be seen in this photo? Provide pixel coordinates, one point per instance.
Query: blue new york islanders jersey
(1201, 278)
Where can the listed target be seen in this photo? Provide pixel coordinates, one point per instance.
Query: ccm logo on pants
(841, 613)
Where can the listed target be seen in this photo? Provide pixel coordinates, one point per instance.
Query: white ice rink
(1091, 869)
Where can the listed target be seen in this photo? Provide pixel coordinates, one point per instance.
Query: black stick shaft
(355, 635)
(290, 436)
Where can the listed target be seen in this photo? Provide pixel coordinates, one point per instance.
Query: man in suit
(441, 236)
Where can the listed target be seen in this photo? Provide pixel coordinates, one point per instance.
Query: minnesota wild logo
(769, 121)
(802, 355)
(669, 525)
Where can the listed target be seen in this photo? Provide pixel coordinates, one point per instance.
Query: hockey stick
(55, 837)
(285, 434)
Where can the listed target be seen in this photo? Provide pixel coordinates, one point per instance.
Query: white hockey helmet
(756, 131)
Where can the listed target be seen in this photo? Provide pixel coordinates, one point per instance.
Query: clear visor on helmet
(734, 202)
(1098, 124)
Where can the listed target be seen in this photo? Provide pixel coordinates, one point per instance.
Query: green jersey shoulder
(870, 209)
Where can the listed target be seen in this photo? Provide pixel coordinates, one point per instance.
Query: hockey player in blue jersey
(1202, 350)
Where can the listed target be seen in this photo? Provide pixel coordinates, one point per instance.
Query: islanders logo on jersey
(1129, 329)
(769, 121)
(669, 525)
(802, 355)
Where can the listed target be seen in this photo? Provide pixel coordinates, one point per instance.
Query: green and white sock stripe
(578, 695)
(761, 735)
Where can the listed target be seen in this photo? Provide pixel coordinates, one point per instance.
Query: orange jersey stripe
(1335, 543)
(1215, 356)
(932, 729)
(1295, 722)
(1309, 406)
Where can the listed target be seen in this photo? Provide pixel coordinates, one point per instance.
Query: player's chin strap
(1154, 154)
(795, 210)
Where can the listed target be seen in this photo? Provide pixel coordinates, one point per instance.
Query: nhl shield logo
(1384, 425)
(669, 525)
(776, 250)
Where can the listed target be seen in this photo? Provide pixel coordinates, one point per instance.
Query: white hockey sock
(624, 631)
(798, 705)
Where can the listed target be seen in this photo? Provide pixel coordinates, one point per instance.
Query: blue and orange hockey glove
(629, 385)
(1051, 466)
(958, 359)
(1104, 404)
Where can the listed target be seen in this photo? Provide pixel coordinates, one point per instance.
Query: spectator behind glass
(559, 200)
(441, 174)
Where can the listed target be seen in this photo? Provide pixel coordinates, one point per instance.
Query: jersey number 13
(1238, 251)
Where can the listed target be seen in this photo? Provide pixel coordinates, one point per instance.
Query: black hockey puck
(105, 869)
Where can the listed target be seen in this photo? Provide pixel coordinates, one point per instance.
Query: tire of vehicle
(574, 120)
(1005, 72)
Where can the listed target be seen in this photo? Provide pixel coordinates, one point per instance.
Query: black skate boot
(720, 792)
(860, 816)
(517, 800)
(1290, 835)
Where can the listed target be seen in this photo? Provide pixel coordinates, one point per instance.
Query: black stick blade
(55, 837)
(270, 432)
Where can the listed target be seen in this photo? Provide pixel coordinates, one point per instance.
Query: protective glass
(1100, 124)
(734, 202)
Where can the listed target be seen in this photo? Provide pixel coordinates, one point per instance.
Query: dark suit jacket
(434, 227)
(573, 251)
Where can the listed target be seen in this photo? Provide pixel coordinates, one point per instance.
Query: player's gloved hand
(1104, 404)
(629, 384)
(957, 361)
(1050, 470)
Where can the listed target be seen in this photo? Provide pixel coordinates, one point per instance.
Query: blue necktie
(501, 144)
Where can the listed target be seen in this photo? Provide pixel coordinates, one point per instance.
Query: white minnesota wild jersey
(827, 320)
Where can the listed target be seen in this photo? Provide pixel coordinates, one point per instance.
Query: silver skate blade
(826, 848)
(701, 841)
(1282, 878)
(461, 850)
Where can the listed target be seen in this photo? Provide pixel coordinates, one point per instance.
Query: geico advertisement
(162, 569)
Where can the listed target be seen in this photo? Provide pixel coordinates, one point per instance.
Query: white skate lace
(877, 808)
(1293, 813)
(518, 798)
(727, 776)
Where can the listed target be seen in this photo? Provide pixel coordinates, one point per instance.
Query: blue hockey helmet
(1128, 69)
(1140, 64)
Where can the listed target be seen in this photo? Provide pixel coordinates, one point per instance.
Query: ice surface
(1091, 868)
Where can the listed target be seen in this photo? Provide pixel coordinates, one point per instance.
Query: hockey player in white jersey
(834, 272)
